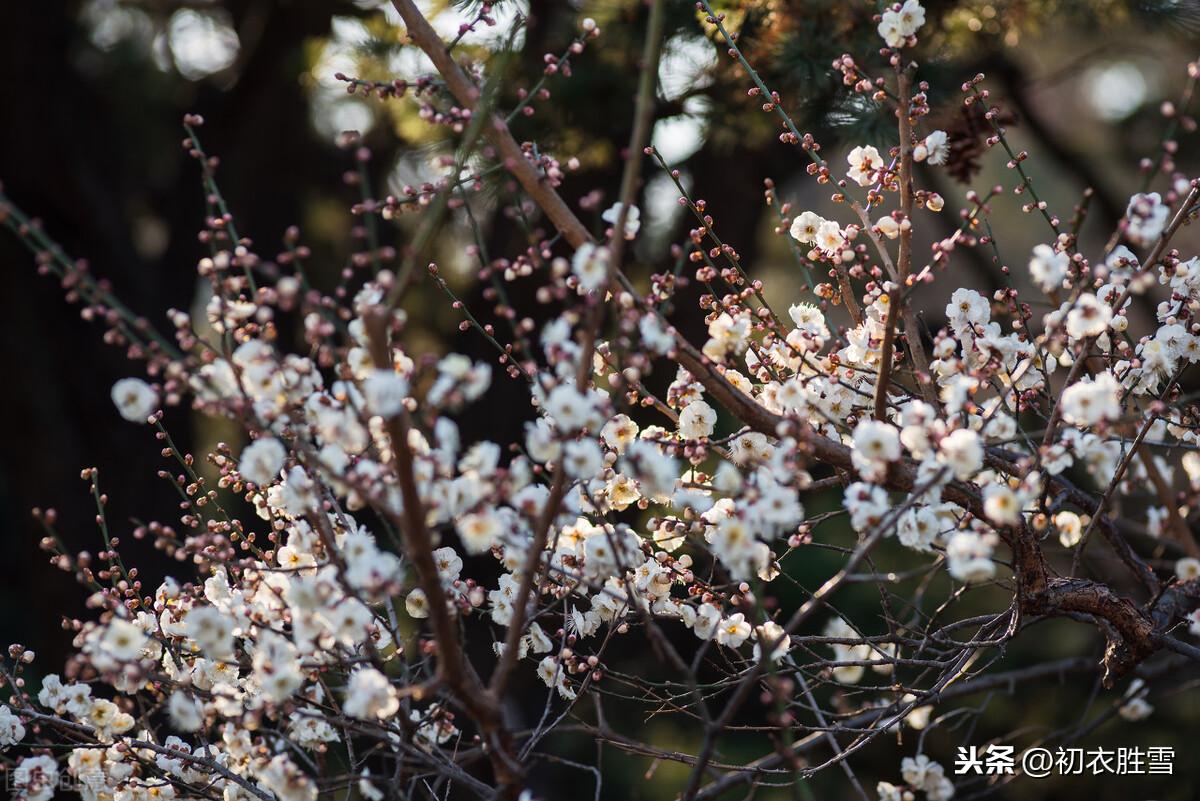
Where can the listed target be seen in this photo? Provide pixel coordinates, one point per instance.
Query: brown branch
(904, 259)
(204, 762)
(847, 290)
(643, 120)
(1131, 638)
(772, 763)
(452, 668)
(1176, 524)
(1160, 246)
(467, 94)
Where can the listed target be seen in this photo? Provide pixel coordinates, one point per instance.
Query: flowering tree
(367, 587)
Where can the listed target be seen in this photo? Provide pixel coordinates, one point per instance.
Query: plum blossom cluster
(367, 583)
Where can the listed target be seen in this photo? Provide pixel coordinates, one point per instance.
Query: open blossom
(551, 672)
(875, 444)
(633, 219)
(804, 227)
(962, 452)
(478, 532)
(969, 556)
(619, 432)
(733, 631)
(830, 238)
(727, 333)
(185, 712)
(1134, 706)
(1090, 400)
(967, 309)
(1002, 504)
(899, 22)
(123, 640)
(135, 399)
(1070, 528)
(697, 420)
(583, 459)
(656, 336)
(369, 694)
(924, 774)
(385, 391)
(416, 603)
(1088, 317)
(734, 543)
(919, 528)
(590, 266)
(1146, 217)
(934, 148)
(1188, 569)
(1048, 267)
(212, 630)
(287, 781)
(867, 504)
(809, 320)
(11, 729)
(35, 778)
(262, 460)
(865, 162)
(571, 409)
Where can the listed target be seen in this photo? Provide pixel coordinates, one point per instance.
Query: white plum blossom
(1091, 400)
(934, 148)
(1187, 569)
(123, 640)
(185, 712)
(1070, 528)
(924, 774)
(697, 420)
(899, 22)
(966, 310)
(1146, 217)
(875, 445)
(865, 163)
(633, 219)
(135, 399)
(1002, 504)
(969, 556)
(12, 731)
(734, 630)
(478, 531)
(619, 432)
(805, 226)
(411, 533)
(570, 409)
(370, 695)
(830, 239)
(286, 781)
(583, 459)
(590, 266)
(962, 452)
(262, 460)
(212, 630)
(867, 504)
(1048, 267)
(35, 778)
(1088, 317)
(385, 391)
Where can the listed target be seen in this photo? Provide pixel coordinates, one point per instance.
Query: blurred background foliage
(91, 102)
